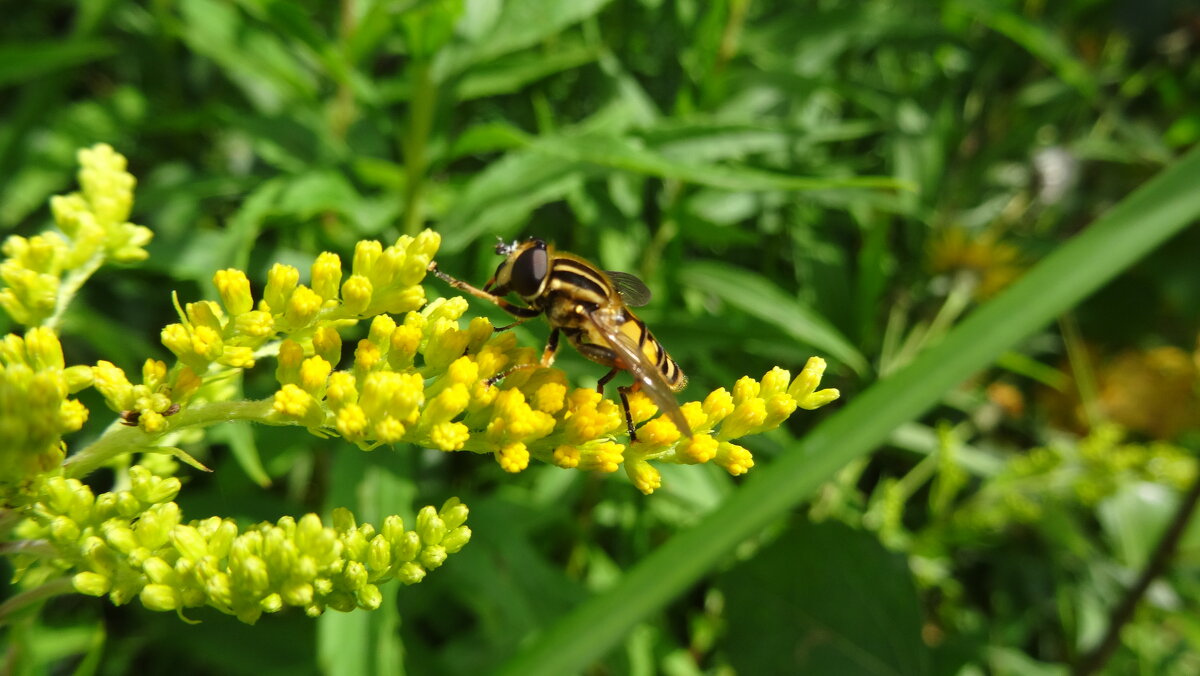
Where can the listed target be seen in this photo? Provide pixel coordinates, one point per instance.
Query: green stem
(416, 143)
(1081, 369)
(70, 286)
(119, 440)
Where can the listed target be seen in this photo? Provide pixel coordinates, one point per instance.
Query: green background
(786, 177)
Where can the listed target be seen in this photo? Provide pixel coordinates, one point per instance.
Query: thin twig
(1095, 659)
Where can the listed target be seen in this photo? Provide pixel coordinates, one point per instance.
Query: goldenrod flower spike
(42, 273)
(419, 376)
(134, 544)
(445, 403)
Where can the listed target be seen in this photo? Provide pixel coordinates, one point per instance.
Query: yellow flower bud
(302, 307)
(774, 382)
(207, 343)
(313, 374)
(734, 459)
(291, 356)
(91, 584)
(643, 475)
(281, 282)
(292, 402)
(234, 288)
(513, 457)
(356, 294)
(327, 275)
(327, 343)
(255, 324)
(237, 357)
(698, 449)
(342, 389)
(744, 389)
(566, 456)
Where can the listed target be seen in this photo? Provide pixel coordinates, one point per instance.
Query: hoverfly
(590, 307)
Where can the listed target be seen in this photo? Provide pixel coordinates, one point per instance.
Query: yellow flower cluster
(134, 544)
(234, 333)
(35, 408)
(43, 272)
(422, 381)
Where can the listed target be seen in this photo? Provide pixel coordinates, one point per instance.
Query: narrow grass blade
(1144, 220)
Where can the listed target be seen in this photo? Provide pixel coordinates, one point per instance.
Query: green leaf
(1147, 218)
(626, 154)
(25, 61)
(759, 297)
(501, 197)
(1134, 519)
(1037, 40)
(824, 599)
(520, 24)
(511, 75)
(241, 441)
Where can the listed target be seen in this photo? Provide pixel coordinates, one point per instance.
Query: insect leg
(547, 360)
(514, 325)
(624, 392)
(551, 349)
(605, 378)
(514, 310)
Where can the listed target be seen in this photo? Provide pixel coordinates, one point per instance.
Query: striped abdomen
(576, 296)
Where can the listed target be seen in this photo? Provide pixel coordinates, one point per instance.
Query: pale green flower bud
(251, 574)
(430, 526)
(219, 588)
(151, 489)
(355, 545)
(305, 568)
(379, 556)
(297, 593)
(159, 597)
(456, 539)
(322, 586)
(454, 513)
(120, 537)
(410, 573)
(271, 603)
(408, 546)
(127, 505)
(92, 584)
(159, 571)
(153, 529)
(189, 542)
(63, 529)
(433, 557)
(355, 575)
(369, 597)
(393, 528)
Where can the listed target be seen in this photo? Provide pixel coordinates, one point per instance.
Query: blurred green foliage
(841, 177)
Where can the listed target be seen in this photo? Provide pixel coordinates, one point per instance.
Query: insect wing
(633, 291)
(644, 372)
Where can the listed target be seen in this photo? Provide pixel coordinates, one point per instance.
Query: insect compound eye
(529, 270)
